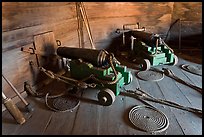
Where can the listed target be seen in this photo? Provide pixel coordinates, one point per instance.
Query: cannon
(147, 49)
(97, 66)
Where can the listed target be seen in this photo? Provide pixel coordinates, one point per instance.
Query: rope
(142, 95)
(67, 80)
(111, 58)
(31, 91)
(56, 110)
(162, 41)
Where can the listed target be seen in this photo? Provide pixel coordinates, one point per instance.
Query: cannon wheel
(106, 97)
(131, 78)
(175, 60)
(145, 64)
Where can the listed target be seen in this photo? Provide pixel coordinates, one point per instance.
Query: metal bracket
(28, 50)
(31, 50)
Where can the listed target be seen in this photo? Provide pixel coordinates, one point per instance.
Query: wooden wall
(106, 17)
(190, 29)
(22, 20)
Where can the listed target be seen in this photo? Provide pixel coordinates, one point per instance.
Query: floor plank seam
(171, 110)
(189, 78)
(178, 122)
(75, 117)
(98, 120)
(48, 123)
(177, 85)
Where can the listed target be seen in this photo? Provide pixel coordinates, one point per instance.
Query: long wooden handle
(15, 90)
(13, 110)
(83, 13)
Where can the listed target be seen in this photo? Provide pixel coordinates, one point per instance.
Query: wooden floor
(90, 118)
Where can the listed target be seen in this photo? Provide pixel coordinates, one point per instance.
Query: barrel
(96, 57)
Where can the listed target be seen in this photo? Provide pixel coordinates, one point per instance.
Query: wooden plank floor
(90, 118)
